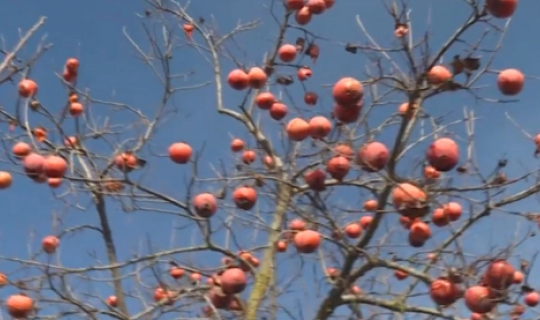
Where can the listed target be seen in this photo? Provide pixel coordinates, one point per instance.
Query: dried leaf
(268, 69)
(141, 162)
(300, 43)
(20, 285)
(113, 186)
(454, 275)
(284, 80)
(462, 169)
(457, 65)
(472, 271)
(526, 289)
(259, 181)
(452, 86)
(471, 63)
(524, 265)
(351, 48)
(34, 105)
(221, 193)
(500, 178)
(313, 52)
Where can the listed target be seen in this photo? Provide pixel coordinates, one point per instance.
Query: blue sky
(92, 31)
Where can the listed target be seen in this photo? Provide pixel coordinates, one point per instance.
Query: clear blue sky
(92, 31)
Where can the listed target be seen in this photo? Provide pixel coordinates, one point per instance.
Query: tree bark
(266, 270)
